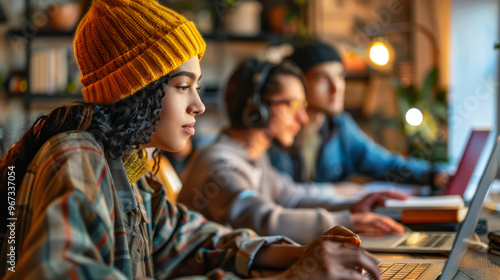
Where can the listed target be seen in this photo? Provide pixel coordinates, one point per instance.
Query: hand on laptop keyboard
(376, 199)
(331, 260)
(333, 255)
(368, 221)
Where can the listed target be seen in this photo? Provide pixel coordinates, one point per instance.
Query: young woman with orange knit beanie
(82, 203)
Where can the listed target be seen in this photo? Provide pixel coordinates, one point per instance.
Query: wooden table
(481, 265)
(477, 265)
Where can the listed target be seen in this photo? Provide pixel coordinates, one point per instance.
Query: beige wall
(435, 15)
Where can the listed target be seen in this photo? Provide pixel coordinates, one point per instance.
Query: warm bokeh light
(379, 53)
(414, 117)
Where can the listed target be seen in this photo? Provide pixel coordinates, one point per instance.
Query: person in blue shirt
(331, 146)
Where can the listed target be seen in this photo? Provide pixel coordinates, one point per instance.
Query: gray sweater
(222, 183)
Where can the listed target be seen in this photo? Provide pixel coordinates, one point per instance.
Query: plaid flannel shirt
(79, 218)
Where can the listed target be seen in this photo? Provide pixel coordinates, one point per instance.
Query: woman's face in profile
(180, 106)
(287, 108)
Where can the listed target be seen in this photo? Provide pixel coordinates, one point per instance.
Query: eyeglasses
(294, 104)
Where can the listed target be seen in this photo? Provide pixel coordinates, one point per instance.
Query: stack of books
(431, 209)
(494, 245)
(49, 73)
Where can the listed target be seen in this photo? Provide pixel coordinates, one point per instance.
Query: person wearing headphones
(232, 182)
(331, 146)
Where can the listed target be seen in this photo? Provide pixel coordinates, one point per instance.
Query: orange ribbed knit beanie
(121, 46)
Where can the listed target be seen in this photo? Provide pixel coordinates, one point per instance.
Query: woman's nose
(196, 107)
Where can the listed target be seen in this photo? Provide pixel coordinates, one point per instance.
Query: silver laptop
(430, 241)
(423, 269)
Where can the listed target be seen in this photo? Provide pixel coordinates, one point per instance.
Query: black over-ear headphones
(256, 113)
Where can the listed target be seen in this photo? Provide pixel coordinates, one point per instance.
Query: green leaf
(429, 85)
(403, 99)
(231, 3)
(440, 111)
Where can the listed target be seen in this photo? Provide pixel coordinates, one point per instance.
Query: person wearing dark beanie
(331, 146)
(312, 54)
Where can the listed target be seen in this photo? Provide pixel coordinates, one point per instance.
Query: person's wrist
(278, 256)
(434, 176)
(296, 252)
(301, 250)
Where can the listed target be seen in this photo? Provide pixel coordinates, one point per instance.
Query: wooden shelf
(57, 96)
(41, 33)
(215, 36)
(220, 36)
(41, 97)
(357, 76)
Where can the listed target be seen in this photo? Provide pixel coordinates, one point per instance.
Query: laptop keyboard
(408, 271)
(420, 240)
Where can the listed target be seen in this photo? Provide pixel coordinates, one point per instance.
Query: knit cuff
(249, 249)
(150, 64)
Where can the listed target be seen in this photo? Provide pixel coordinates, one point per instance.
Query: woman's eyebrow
(186, 73)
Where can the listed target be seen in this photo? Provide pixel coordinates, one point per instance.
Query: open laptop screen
(468, 226)
(468, 162)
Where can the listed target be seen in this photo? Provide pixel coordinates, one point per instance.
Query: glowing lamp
(414, 117)
(380, 54)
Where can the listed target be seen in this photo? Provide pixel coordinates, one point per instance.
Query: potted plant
(424, 117)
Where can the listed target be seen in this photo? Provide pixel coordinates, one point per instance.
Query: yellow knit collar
(136, 165)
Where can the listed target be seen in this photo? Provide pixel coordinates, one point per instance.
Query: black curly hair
(120, 127)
